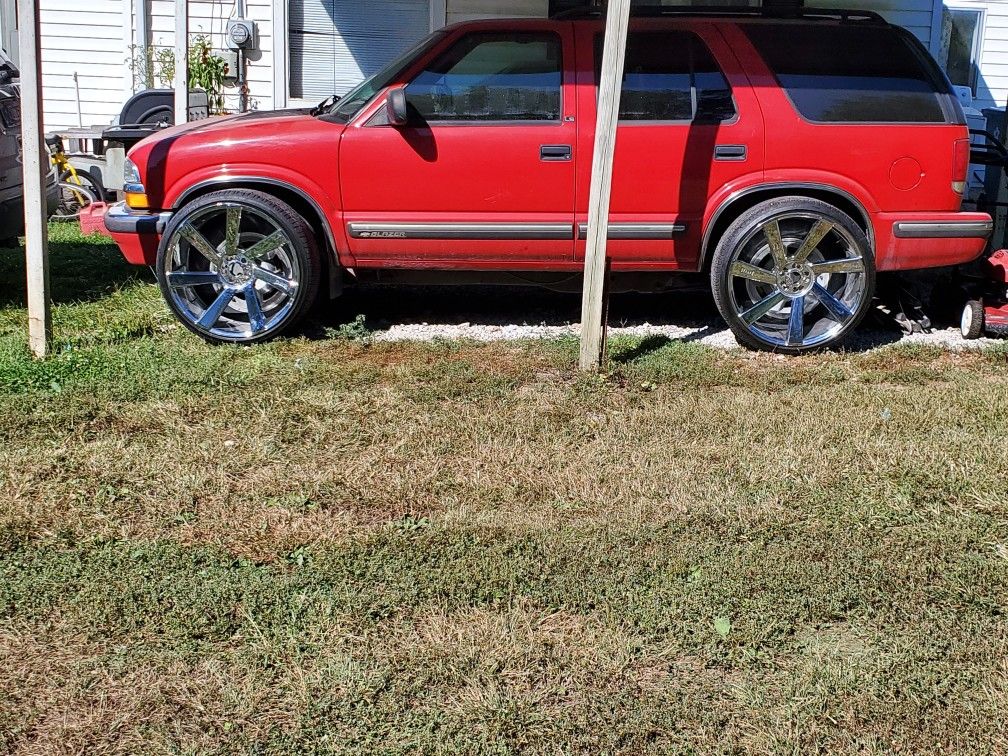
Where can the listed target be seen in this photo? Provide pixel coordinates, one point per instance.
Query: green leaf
(722, 625)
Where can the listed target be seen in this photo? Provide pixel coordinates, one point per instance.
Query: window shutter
(336, 44)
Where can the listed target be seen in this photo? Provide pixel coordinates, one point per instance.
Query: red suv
(790, 158)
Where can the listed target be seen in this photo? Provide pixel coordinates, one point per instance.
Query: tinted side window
(492, 77)
(670, 76)
(847, 74)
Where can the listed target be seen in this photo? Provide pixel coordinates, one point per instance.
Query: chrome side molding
(638, 231)
(508, 231)
(943, 229)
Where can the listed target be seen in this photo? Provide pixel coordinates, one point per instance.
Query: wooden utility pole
(181, 61)
(613, 60)
(36, 168)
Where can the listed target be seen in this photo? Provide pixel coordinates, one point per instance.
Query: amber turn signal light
(136, 201)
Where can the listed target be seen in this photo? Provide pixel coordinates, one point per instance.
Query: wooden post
(613, 59)
(181, 61)
(36, 168)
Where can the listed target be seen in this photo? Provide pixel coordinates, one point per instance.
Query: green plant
(207, 71)
(164, 61)
(356, 330)
(150, 66)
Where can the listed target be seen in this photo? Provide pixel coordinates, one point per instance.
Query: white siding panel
(994, 60)
(86, 39)
(210, 19)
(91, 38)
(467, 10)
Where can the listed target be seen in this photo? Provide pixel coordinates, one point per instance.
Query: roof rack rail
(659, 11)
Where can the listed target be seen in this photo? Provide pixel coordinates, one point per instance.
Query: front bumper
(137, 232)
(908, 241)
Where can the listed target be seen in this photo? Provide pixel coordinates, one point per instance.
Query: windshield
(351, 103)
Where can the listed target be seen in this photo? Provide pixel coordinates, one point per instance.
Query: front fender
(249, 175)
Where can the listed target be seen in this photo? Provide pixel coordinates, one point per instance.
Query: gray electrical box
(231, 58)
(242, 34)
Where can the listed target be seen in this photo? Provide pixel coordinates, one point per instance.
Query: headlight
(136, 195)
(131, 174)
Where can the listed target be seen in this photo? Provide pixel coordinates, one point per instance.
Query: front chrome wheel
(231, 272)
(795, 278)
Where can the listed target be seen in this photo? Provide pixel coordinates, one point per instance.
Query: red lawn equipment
(986, 310)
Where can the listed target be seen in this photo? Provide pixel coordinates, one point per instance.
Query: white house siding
(93, 39)
(992, 88)
(209, 17)
(467, 10)
(87, 39)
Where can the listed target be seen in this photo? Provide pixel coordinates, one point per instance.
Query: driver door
(483, 174)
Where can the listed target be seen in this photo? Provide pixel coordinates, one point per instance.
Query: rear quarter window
(852, 74)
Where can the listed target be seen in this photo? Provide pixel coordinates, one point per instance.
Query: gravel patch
(712, 334)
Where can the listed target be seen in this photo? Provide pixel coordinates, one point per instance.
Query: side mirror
(396, 107)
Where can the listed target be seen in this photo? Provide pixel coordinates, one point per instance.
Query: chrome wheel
(231, 271)
(797, 280)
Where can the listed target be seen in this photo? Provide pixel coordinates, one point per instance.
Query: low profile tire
(238, 266)
(971, 326)
(793, 275)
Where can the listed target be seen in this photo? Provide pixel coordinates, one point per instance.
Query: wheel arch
(736, 204)
(300, 200)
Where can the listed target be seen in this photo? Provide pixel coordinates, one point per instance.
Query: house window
(335, 44)
(8, 30)
(964, 30)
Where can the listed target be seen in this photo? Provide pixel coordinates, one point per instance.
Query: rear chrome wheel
(793, 275)
(238, 266)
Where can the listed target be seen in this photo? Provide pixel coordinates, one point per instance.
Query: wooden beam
(36, 168)
(181, 83)
(592, 307)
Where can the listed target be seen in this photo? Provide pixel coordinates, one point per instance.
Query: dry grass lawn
(332, 546)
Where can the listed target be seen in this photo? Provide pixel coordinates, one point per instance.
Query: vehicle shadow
(91, 269)
(81, 270)
(387, 307)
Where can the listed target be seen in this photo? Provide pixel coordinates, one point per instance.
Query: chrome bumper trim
(121, 220)
(943, 229)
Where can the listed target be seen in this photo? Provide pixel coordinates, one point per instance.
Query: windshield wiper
(323, 106)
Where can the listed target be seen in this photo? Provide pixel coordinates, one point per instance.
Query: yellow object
(136, 201)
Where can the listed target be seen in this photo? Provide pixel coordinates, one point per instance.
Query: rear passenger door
(689, 125)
